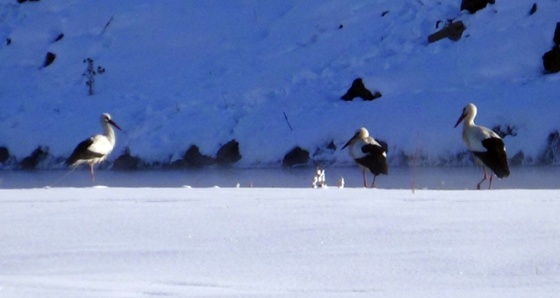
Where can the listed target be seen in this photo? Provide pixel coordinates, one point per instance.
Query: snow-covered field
(281, 242)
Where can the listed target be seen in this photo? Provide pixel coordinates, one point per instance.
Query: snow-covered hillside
(270, 74)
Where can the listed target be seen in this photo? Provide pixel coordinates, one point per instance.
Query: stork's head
(106, 119)
(361, 133)
(469, 112)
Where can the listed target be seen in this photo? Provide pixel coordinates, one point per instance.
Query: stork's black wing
(375, 159)
(82, 152)
(495, 157)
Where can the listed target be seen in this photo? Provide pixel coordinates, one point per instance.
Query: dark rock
(473, 6)
(126, 161)
(194, 159)
(30, 162)
(556, 38)
(4, 154)
(8, 41)
(228, 153)
(59, 37)
(178, 164)
(295, 157)
(551, 60)
(533, 9)
(49, 59)
(453, 31)
(358, 89)
(517, 159)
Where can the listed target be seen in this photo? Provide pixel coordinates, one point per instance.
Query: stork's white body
(96, 148)
(487, 146)
(368, 154)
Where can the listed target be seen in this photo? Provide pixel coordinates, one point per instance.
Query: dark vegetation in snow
(551, 154)
(90, 73)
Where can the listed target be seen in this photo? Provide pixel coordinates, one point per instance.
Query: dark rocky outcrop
(4, 154)
(296, 157)
(473, 6)
(194, 159)
(49, 59)
(32, 161)
(556, 37)
(533, 9)
(59, 37)
(358, 89)
(551, 60)
(126, 161)
(228, 154)
(517, 159)
(452, 30)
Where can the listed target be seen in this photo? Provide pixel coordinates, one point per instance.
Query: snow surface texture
(263, 242)
(180, 73)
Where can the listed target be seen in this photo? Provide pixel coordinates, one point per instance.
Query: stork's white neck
(109, 133)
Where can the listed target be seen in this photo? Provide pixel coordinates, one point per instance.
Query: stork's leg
(91, 170)
(364, 174)
(483, 178)
(491, 178)
(373, 182)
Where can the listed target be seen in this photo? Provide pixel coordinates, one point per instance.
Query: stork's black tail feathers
(495, 158)
(375, 160)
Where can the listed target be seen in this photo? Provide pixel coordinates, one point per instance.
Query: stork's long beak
(349, 142)
(460, 119)
(114, 124)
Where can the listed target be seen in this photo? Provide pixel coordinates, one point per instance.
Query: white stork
(95, 149)
(368, 154)
(488, 148)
